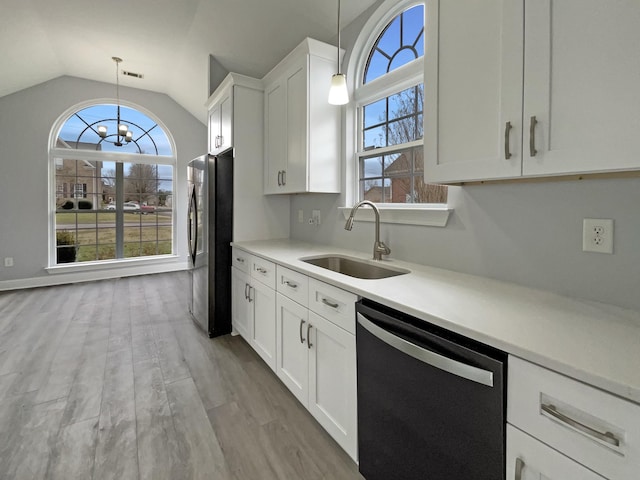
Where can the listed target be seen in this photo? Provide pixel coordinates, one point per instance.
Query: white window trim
(72, 154)
(435, 215)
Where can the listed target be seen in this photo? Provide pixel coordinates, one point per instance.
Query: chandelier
(123, 133)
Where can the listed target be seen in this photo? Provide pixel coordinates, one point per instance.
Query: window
(389, 100)
(111, 201)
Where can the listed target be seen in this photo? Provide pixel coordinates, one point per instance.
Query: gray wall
(527, 233)
(26, 119)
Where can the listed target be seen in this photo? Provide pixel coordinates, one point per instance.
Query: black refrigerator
(210, 232)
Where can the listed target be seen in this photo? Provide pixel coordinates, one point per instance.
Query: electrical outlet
(597, 235)
(300, 216)
(315, 217)
(8, 261)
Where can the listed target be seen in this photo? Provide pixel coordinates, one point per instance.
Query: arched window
(389, 98)
(112, 195)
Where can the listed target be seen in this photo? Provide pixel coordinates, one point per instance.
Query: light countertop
(594, 342)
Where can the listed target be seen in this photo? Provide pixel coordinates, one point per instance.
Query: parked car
(144, 209)
(126, 206)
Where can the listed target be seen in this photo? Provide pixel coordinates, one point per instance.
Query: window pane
(398, 164)
(403, 103)
(402, 131)
(375, 137)
(375, 113)
(429, 193)
(412, 25)
(372, 167)
(377, 191)
(80, 131)
(401, 42)
(401, 190)
(377, 67)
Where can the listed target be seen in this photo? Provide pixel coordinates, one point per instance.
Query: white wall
(26, 118)
(530, 234)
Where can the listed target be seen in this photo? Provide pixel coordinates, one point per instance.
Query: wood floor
(112, 380)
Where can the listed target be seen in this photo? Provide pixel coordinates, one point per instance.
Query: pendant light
(123, 134)
(338, 93)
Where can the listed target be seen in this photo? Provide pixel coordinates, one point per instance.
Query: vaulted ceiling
(169, 41)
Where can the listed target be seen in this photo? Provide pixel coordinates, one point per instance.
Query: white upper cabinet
(491, 68)
(302, 130)
(582, 83)
(473, 89)
(220, 120)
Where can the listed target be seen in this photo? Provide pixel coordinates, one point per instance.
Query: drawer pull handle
(250, 299)
(519, 468)
(246, 295)
(291, 284)
(240, 259)
(302, 322)
(607, 437)
(329, 304)
(507, 130)
(532, 136)
(309, 345)
(261, 270)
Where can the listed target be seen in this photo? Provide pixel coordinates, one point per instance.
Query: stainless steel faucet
(379, 248)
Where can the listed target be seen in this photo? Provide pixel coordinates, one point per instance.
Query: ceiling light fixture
(338, 93)
(123, 133)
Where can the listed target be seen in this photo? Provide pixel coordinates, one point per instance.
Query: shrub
(66, 250)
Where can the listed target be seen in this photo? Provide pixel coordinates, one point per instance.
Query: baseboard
(89, 276)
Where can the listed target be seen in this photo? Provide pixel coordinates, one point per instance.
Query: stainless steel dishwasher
(431, 403)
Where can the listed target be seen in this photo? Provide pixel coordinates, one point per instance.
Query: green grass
(143, 238)
(69, 218)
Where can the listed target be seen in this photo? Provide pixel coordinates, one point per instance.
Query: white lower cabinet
(253, 310)
(316, 360)
(530, 459)
(568, 425)
(291, 346)
(263, 339)
(332, 381)
(241, 309)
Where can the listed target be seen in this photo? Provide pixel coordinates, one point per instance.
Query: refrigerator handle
(192, 216)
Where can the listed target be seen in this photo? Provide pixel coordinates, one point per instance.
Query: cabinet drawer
(264, 271)
(334, 304)
(537, 461)
(595, 428)
(240, 260)
(293, 284)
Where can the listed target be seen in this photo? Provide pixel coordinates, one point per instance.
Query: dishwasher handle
(478, 375)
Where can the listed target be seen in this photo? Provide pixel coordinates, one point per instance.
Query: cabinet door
(263, 339)
(275, 137)
(241, 313)
(332, 381)
(472, 88)
(214, 127)
(530, 459)
(582, 85)
(226, 133)
(291, 344)
(295, 178)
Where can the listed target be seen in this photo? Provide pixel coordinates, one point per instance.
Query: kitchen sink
(354, 267)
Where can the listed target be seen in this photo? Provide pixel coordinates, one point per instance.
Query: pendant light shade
(338, 93)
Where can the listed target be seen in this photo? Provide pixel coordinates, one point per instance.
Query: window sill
(114, 264)
(430, 216)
